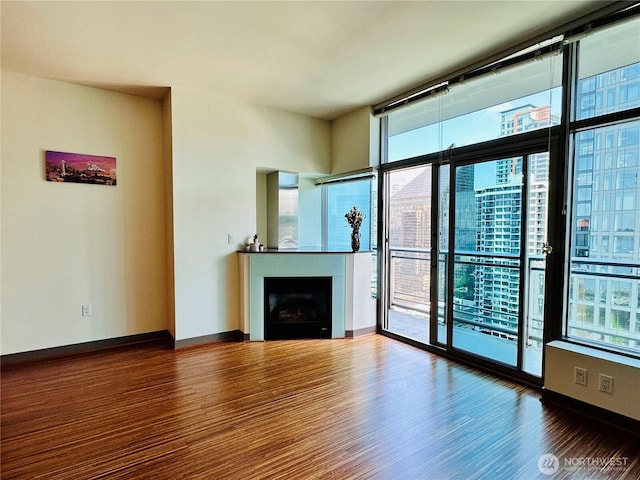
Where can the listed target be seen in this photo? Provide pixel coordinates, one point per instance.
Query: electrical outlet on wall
(605, 383)
(580, 375)
(87, 310)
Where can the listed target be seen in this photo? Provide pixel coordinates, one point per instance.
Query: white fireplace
(352, 307)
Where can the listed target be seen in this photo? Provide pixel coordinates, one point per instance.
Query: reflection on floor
(416, 327)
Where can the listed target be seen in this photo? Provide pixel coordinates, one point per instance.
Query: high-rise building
(410, 231)
(518, 120)
(525, 118)
(498, 216)
(605, 242)
(499, 223)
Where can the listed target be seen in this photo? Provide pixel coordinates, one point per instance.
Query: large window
(608, 317)
(584, 166)
(518, 99)
(605, 205)
(609, 71)
(338, 198)
(604, 230)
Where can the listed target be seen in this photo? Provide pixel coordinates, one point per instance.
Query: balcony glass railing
(486, 291)
(604, 302)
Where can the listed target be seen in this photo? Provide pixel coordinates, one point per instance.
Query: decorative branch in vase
(355, 218)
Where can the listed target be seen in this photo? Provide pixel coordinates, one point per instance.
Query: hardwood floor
(364, 408)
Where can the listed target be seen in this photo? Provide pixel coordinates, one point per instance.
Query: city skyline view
(604, 222)
(80, 168)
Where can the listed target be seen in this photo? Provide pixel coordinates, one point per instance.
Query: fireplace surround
(353, 310)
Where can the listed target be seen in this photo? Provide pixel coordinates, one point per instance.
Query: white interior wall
(69, 244)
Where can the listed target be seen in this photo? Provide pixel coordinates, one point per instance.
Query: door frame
(537, 141)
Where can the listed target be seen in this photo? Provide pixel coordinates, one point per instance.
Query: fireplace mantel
(353, 308)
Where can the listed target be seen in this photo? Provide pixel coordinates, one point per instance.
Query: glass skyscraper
(605, 250)
(499, 225)
(604, 296)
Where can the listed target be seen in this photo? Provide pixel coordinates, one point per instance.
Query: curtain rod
(360, 174)
(538, 54)
(570, 28)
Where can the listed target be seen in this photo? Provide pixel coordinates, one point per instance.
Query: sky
(80, 161)
(475, 127)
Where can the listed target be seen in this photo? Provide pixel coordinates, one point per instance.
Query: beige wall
(562, 357)
(218, 146)
(355, 141)
(151, 253)
(65, 245)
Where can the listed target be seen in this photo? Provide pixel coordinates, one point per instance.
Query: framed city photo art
(80, 168)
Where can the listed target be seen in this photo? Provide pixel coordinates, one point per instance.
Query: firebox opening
(297, 307)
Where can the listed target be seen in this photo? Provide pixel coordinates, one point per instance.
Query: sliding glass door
(498, 264)
(408, 252)
(465, 271)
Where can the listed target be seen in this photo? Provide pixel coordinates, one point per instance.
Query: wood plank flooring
(364, 408)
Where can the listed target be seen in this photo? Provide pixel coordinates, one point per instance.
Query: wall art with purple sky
(80, 168)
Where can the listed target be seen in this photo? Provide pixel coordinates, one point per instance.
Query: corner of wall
(168, 187)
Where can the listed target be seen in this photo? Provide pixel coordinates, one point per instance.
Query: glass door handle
(546, 248)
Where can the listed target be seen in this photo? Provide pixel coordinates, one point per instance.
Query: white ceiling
(316, 58)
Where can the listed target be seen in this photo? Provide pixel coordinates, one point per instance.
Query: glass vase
(355, 240)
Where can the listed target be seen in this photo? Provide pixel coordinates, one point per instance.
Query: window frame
(622, 121)
(559, 228)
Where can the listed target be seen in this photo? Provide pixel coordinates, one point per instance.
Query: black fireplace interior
(297, 307)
